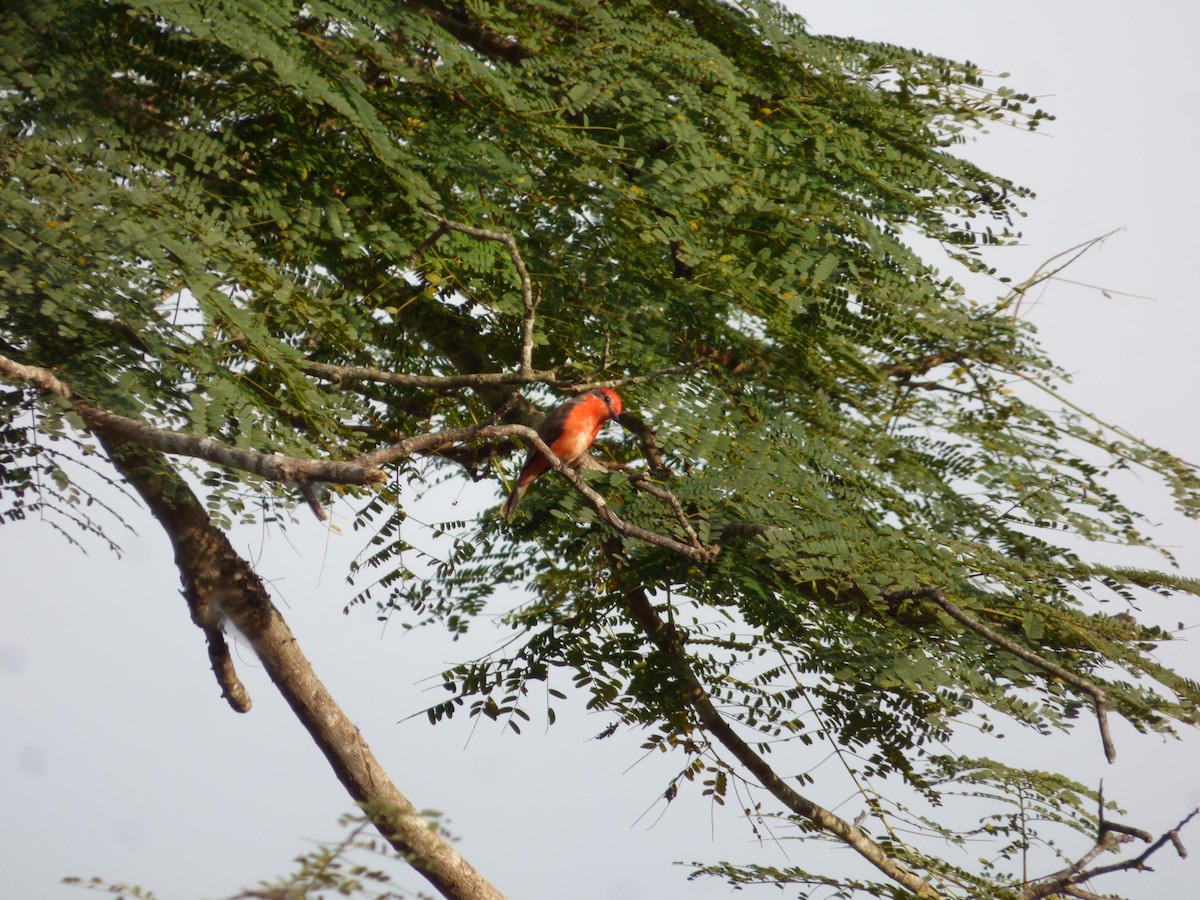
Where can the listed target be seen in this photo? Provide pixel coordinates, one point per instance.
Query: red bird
(568, 430)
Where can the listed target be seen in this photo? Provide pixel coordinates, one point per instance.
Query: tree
(305, 248)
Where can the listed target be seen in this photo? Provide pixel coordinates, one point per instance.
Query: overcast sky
(118, 759)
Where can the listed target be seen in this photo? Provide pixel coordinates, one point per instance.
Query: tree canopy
(259, 252)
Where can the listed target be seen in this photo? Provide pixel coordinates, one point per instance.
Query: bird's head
(612, 400)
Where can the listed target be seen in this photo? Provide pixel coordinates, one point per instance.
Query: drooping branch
(670, 642)
(1099, 697)
(219, 658)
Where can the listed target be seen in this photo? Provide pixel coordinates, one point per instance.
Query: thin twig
(697, 552)
(528, 299)
(1039, 275)
(1116, 429)
(336, 373)
(1139, 861)
(401, 379)
(642, 482)
(643, 378)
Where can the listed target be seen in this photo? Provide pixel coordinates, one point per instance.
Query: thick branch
(670, 643)
(1099, 697)
(271, 466)
(218, 583)
(232, 689)
(474, 34)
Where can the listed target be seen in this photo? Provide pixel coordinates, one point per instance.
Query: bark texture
(219, 585)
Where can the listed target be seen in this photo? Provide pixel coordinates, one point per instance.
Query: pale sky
(118, 758)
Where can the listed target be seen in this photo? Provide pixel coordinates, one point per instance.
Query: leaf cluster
(203, 204)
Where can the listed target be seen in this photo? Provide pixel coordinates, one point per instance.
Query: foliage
(202, 203)
(356, 866)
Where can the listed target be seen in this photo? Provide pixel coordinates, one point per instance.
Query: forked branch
(1109, 836)
(219, 584)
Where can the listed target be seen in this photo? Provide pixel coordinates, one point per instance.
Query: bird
(569, 429)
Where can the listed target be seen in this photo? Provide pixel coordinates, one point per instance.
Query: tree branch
(232, 689)
(670, 642)
(364, 470)
(340, 374)
(1099, 697)
(426, 443)
(642, 482)
(219, 584)
(370, 373)
(272, 466)
(473, 34)
(528, 299)
(1109, 836)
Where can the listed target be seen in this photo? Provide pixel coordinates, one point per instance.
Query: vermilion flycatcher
(568, 430)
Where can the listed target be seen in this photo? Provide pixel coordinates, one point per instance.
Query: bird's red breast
(568, 430)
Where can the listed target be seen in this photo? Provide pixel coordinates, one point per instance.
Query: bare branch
(43, 379)
(1099, 697)
(1040, 274)
(336, 373)
(232, 689)
(643, 378)
(271, 466)
(1109, 837)
(1139, 861)
(642, 482)
(309, 493)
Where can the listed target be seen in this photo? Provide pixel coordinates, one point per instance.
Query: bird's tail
(510, 505)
